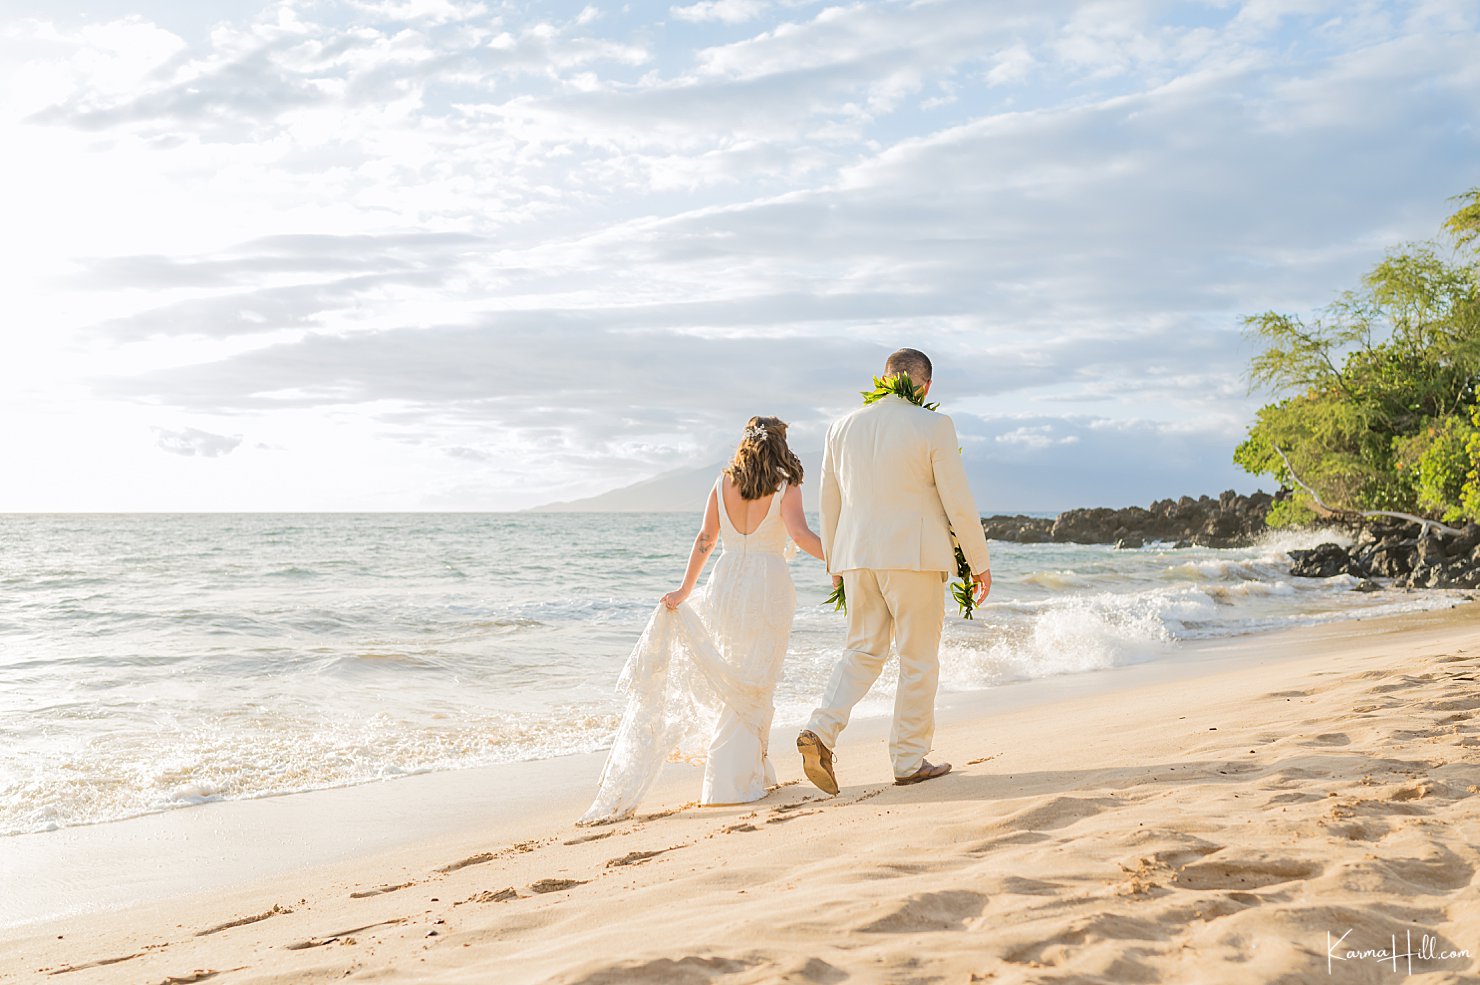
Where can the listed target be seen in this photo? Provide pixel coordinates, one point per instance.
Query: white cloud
(724, 11)
(1041, 436)
(435, 11)
(1011, 66)
(192, 442)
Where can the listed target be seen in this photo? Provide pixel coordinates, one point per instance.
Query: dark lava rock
(1018, 529)
(1456, 573)
(1411, 557)
(1430, 551)
(1466, 543)
(1231, 520)
(1325, 561)
(1393, 559)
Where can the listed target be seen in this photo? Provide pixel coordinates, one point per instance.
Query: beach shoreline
(414, 851)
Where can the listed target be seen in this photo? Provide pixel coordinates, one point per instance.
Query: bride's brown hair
(764, 460)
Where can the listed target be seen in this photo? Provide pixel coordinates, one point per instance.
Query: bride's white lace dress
(700, 681)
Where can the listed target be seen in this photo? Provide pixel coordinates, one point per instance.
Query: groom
(893, 489)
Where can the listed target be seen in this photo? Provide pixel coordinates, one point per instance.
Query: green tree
(1378, 402)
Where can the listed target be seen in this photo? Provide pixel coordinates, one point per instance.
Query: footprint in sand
(101, 963)
(949, 909)
(817, 971)
(783, 818)
(900, 868)
(1236, 769)
(1293, 797)
(1207, 909)
(691, 968)
(1151, 871)
(1404, 683)
(1060, 812)
(585, 838)
(380, 890)
(1413, 791)
(478, 859)
(491, 896)
(516, 849)
(555, 885)
(339, 935)
(1030, 887)
(1064, 946)
(1360, 830)
(1415, 734)
(243, 921)
(1004, 841)
(1441, 873)
(636, 858)
(1330, 739)
(1292, 775)
(1250, 873)
(1456, 704)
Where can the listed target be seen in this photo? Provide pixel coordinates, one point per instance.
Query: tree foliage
(1377, 405)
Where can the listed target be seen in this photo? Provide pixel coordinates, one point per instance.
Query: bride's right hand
(674, 599)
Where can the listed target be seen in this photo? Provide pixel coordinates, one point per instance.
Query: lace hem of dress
(673, 679)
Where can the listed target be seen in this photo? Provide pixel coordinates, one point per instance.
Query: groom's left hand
(983, 584)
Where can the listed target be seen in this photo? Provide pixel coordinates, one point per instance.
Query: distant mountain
(679, 491)
(1041, 488)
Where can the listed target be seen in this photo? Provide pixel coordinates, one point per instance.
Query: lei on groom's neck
(900, 385)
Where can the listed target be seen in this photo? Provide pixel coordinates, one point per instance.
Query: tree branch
(1427, 524)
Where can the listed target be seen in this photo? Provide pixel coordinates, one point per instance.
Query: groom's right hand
(983, 584)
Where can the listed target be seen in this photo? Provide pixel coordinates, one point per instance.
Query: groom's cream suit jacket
(893, 488)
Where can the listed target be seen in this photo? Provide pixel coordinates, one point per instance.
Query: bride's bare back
(745, 514)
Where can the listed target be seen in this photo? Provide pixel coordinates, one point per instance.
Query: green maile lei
(901, 385)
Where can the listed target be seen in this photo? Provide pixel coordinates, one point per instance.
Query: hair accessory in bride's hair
(756, 431)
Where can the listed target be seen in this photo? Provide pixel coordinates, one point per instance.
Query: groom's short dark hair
(910, 361)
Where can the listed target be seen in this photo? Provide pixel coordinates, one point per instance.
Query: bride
(706, 666)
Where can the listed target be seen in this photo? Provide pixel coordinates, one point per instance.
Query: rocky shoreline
(1231, 520)
(1394, 550)
(1400, 551)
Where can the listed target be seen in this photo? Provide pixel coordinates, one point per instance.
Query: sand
(1278, 808)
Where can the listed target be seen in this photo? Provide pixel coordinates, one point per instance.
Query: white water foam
(153, 663)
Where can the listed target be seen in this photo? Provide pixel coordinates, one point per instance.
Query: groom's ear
(925, 390)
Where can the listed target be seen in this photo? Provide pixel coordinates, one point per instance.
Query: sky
(449, 255)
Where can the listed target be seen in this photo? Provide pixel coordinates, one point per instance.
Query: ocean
(150, 662)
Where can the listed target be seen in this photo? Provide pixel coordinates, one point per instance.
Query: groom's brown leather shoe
(817, 762)
(927, 771)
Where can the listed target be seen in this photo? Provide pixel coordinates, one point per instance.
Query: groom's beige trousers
(909, 608)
